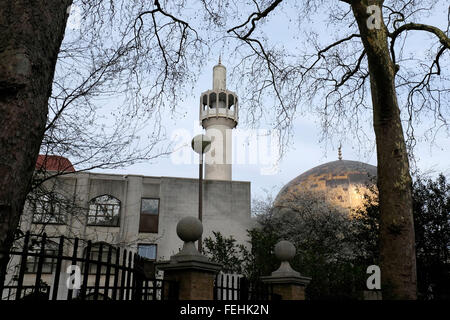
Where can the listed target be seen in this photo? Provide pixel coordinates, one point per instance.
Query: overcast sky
(306, 150)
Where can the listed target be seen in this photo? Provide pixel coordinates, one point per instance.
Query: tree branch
(253, 18)
(443, 38)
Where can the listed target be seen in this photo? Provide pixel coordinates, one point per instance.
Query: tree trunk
(397, 245)
(31, 33)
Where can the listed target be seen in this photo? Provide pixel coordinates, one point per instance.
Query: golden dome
(342, 183)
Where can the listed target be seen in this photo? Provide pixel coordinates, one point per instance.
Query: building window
(147, 251)
(94, 257)
(104, 211)
(149, 218)
(48, 210)
(49, 263)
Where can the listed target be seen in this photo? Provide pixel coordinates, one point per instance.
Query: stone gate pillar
(287, 283)
(193, 271)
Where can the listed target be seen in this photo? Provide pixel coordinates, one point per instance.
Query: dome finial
(340, 152)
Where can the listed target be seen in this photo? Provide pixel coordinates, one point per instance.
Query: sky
(305, 152)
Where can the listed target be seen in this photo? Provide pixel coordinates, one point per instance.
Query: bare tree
(30, 39)
(324, 235)
(368, 56)
(144, 52)
(134, 55)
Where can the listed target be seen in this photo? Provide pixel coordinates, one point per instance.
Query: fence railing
(44, 269)
(236, 287)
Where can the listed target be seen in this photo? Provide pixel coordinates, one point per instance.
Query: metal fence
(55, 270)
(236, 287)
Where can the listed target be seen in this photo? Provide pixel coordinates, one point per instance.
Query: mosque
(140, 213)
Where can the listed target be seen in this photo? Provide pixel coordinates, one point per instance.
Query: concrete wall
(226, 208)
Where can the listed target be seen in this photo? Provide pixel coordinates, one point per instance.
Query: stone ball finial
(189, 229)
(284, 250)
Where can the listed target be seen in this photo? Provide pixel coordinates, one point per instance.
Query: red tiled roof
(54, 163)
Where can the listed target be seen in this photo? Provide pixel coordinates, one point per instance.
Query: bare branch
(443, 38)
(253, 18)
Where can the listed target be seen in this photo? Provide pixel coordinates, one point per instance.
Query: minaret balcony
(220, 104)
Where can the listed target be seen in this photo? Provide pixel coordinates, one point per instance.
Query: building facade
(137, 212)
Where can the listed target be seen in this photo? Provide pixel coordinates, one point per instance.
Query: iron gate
(65, 269)
(235, 287)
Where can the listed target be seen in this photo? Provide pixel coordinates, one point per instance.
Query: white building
(140, 213)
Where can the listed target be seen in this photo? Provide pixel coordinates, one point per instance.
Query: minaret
(218, 116)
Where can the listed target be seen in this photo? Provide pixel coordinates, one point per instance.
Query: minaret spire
(219, 76)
